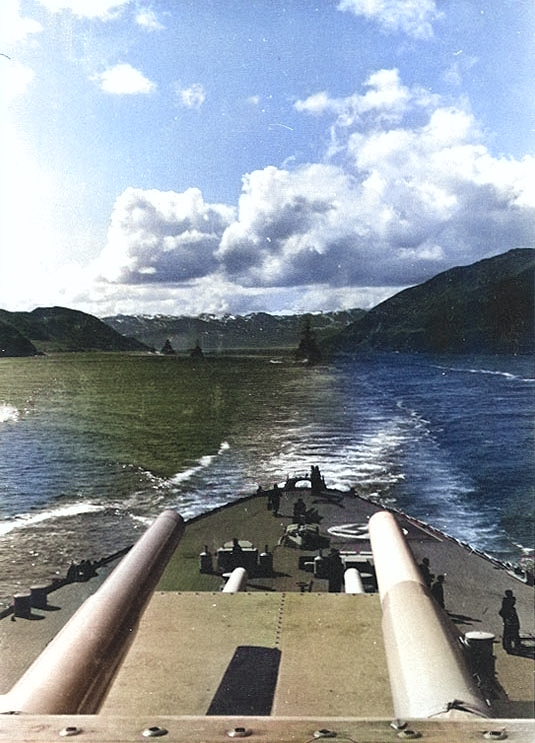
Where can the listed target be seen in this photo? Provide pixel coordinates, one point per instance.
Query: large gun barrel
(237, 581)
(353, 581)
(73, 673)
(428, 673)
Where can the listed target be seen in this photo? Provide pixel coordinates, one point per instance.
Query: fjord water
(94, 446)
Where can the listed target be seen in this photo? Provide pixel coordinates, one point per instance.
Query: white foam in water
(186, 491)
(362, 462)
(145, 520)
(25, 520)
(8, 413)
(492, 372)
(377, 437)
(203, 463)
(386, 445)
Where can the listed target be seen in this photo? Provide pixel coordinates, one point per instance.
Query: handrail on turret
(74, 672)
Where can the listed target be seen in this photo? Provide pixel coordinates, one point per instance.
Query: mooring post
(353, 581)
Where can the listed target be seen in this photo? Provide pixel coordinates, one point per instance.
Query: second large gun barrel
(428, 673)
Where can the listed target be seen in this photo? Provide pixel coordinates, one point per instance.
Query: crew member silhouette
(511, 624)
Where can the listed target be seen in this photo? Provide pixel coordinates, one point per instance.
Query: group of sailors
(81, 571)
(511, 624)
(301, 514)
(435, 585)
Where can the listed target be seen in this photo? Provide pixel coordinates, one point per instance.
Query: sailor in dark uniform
(336, 572)
(437, 590)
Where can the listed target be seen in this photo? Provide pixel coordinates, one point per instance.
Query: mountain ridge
(58, 329)
(486, 307)
(255, 330)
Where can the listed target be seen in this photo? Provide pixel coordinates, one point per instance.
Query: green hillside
(487, 307)
(49, 329)
(13, 342)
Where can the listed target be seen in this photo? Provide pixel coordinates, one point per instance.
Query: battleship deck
(328, 648)
(331, 656)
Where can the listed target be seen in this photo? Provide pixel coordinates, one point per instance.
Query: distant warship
(197, 352)
(308, 350)
(167, 348)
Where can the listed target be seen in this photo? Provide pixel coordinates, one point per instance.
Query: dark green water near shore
(158, 413)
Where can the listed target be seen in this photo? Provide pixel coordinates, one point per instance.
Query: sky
(182, 157)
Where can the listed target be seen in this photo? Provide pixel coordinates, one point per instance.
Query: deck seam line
(280, 613)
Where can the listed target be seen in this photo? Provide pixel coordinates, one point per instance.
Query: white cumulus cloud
(147, 19)
(103, 9)
(384, 104)
(408, 188)
(386, 97)
(286, 222)
(162, 237)
(192, 97)
(413, 17)
(15, 79)
(123, 79)
(15, 27)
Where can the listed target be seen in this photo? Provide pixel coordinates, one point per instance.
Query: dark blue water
(448, 440)
(462, 441)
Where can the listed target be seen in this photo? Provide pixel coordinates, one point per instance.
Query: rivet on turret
(154, 732)
(239, 732)
(495, 734)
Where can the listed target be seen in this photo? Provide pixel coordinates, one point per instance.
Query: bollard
(73, 673)
(206, 565)
(428, 673)
(321, 566)
(481, 658)
(236, 582)
(39, 596)
(353, 581)
(22, 605)
(265, 562)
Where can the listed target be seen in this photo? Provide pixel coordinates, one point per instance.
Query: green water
(157, 413)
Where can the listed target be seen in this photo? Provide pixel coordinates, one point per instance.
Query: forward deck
(197, 649)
